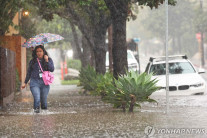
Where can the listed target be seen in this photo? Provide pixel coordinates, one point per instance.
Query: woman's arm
(29, 70)
(50, 65)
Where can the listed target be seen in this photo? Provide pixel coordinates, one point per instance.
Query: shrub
(126, 92)
(87, 78)
(131, 89)
(74, 64)
(96, 84)
(104, 85)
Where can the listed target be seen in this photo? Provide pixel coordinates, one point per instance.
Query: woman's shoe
(37, 110)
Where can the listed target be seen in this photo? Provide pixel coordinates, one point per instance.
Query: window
(129, 55)
(174, 68)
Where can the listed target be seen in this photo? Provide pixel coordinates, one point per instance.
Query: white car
(132, 62)
(184, 79)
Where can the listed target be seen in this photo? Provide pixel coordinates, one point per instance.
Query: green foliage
(105, 85)
(132, 84)
(74, 64)
(88, 78)
(154, 3)
(96, 84)
(27, 28)
(18, 83)
(27, 24)
(119, 92)
(139, 85)
(100, 3)
(8, 10)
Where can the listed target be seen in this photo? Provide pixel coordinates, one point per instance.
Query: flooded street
(91, 42)
(71, 114)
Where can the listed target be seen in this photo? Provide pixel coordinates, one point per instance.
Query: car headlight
(197, 85)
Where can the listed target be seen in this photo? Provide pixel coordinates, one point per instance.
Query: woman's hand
(46, 58)
(23, 86)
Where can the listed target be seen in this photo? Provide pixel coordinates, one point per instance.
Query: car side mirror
(201, 70)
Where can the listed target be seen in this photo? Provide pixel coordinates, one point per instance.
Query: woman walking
(34, 74)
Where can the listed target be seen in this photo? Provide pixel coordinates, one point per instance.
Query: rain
(107, 57)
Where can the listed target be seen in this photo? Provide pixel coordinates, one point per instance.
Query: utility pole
(201, 42)
(166, 55)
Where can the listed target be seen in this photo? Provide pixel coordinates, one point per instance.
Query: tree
(200, 22)
(94, 15)
(119, 12)
(183, 22)
(91, 17)
(27, 24)
(8, 10)
(57, 26)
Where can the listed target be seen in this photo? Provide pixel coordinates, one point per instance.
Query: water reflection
(98, 123)
(42, 126)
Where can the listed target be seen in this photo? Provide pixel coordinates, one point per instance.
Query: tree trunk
(119, 13)
(92, 62)
(76, 48)
(123, 106)
(62, 55)
(2, 32)
(85, 60)
(94, 31)
(75, 52)
(100, 50)
(133, 100)
(86, 54)
(119, 48)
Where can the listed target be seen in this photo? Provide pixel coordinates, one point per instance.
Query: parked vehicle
(183, 77)
(132, 62)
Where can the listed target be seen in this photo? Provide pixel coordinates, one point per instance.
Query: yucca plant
(90, 80)
(105, 84)
(87, 78)
(131, 89)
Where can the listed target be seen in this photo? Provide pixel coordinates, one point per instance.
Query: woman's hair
(34, 55)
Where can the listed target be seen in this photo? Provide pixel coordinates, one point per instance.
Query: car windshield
(174, 68)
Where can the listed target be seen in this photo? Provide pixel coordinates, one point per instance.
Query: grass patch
(70, 82)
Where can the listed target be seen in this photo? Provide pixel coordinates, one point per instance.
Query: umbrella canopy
(42, 39)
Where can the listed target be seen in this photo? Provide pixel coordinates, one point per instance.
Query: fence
(8, 75)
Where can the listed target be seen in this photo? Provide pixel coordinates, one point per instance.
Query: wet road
(71, 114)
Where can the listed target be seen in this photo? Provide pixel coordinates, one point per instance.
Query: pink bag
(47, 76)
